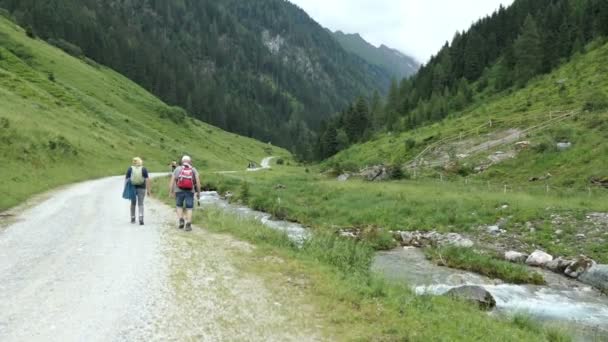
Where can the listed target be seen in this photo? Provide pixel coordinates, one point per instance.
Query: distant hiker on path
(184, 182)
(138, 176)
(173, 166)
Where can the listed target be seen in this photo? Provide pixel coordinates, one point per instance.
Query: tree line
(502, 51)
(212, 58)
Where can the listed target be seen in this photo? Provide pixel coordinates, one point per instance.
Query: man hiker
(184, 182)
(138, 176)
(173, 166)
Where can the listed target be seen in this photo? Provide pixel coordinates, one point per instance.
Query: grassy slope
(426, 203)
(89, 122)
(584, 76)
(333, 275)
(327, 204)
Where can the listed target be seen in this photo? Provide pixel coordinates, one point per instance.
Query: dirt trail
(264, 165)
(72, 268)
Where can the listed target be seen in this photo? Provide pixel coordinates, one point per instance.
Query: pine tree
(528, 53)
(329, 142)
(376, 112)
(474, 56)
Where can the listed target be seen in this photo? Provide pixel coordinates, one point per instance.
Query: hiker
(138, 176)
(184, 182)
(173, 166)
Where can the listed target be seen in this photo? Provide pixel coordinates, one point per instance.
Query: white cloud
(417, 27)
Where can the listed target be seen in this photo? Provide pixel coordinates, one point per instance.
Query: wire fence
(541, 187)
(543, 121)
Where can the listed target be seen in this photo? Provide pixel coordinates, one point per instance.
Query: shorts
(184, 197)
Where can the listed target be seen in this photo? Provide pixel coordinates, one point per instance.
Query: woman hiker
(138, 176)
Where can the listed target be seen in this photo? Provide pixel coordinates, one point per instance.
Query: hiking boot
(141, 221)
(188, 227)
(132, 219)
(181, 223)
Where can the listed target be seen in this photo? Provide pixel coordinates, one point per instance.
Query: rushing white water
(564, 302)
(570, 304)
(296, 232)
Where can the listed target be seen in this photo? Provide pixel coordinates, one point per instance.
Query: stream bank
(562, 302)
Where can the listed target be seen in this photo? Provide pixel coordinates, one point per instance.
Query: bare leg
(189, 216)
(180, 213)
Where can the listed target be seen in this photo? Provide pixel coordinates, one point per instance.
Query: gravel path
(72, 268)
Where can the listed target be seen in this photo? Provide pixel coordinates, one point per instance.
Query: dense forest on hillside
(498, 53)
(260, 68)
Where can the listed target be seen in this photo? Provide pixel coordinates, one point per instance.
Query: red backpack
(185, 179)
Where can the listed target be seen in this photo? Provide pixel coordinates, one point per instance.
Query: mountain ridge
(68, 119)
(210, 58)
(396, 62)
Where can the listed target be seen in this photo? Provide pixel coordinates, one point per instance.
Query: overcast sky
(416, 27)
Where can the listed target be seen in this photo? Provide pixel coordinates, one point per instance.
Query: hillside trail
(72, 268)
(264, 165)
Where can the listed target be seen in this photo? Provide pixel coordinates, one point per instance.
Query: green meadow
(334, 275)
(65, 119)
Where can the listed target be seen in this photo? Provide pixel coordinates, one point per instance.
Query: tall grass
(488, 265)
(377, 208)
(359, 306)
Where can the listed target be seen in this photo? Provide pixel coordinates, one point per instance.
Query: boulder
(425, 239)
(579, 266)
(516, 257)
(350, 233)
(539, 258)
(521, 145)
(494, 230)
(474, 294)
(406, 238)
(344, 177)
(596, 276)
(457, 240)
(558, 265)
(562, 146)
(375, 173)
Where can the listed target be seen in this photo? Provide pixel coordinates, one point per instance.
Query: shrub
(596, 101)
(278, 211)
(545, 145)
(29, 31)
(280, 161)
(378, 239)
(6, 14)
(62, 145)
(244, 192)
(5, 123)
(51, 76)
(396, 172)
(346, 255)
(260, 203)
(410, 144)
(67, 47)
(176, 114)
(470, 260)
